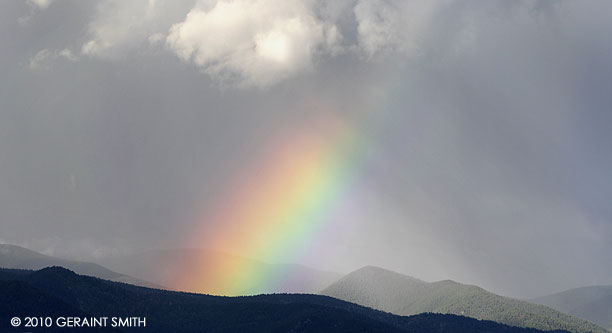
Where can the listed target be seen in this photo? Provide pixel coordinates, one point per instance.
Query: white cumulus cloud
(252, 43)
(258, 43)
(119, 26)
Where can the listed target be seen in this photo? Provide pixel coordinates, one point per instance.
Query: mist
(484, 129)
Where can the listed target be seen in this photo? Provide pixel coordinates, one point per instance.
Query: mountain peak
(17, 257)
(56, 270)
(375, 271)
(14, 250)
(392, 292)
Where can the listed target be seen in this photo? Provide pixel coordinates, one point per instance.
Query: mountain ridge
(593, 303)
(404, 295)
(187, 312)
(17, 257)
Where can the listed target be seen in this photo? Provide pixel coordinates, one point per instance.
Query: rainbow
(273, 209)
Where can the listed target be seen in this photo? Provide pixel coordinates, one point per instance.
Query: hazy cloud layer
(393, 26)
(485, 127)
(44, 58)
(41, 4)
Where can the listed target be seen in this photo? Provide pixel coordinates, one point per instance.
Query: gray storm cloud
(489, 140)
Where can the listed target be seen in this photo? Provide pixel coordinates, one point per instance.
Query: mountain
(21, 299)
(59, 292)
(12, 256)
(592, 303)
(403, 295)
(165, 267)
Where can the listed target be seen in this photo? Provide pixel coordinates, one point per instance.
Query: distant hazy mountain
(591, 303)
(57, 291)
(165, 267)
(403, 295)
(12, 256)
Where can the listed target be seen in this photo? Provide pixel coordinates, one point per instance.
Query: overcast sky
(485, 127)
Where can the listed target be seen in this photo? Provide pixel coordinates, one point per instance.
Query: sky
(464, 140)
